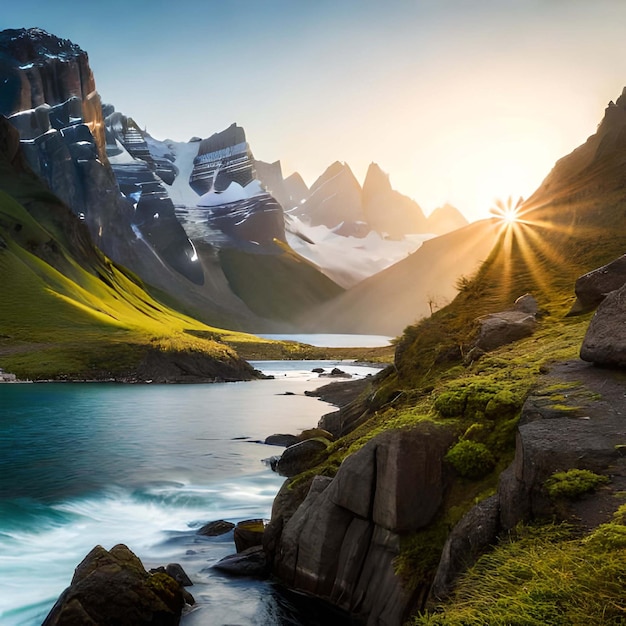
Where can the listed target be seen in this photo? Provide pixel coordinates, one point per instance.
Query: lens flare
(508, 212)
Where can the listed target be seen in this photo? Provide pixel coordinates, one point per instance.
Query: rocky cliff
(52, 101)
(129, 190)
(341, 542)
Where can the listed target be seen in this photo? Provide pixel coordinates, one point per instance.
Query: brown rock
(216, 528)
(499, 329)
(301, 456)
(112, 587)
(248, 534)
(249, 562)
(474, 533)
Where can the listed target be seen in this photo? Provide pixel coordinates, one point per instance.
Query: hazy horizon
(460, 102)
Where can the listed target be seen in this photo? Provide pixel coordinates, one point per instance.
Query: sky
(459, 101)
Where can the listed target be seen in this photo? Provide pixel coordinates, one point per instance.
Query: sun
(508, 212)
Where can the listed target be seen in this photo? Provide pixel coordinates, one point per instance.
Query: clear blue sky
(460, 101)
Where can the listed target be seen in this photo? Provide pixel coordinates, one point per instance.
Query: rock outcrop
(584, 431)
(605, 340)
(499, 329)
(112, 587)
(51, 99)
(594, 286)
(341, 541)
(231, 198)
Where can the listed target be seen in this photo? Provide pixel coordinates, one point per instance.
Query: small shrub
(503, 404)
(573, 483)
(471, 459)
(478, 432)
(451, 403)
(610, 536)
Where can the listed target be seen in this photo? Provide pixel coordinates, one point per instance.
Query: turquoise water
(146, 465)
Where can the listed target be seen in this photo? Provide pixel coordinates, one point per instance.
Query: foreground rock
(248, 534)
(249, 562)
(498, 329)
(112, 587)
(341, 542)
(593, 287)
(301, 456)
(216, 528)
(605, 340)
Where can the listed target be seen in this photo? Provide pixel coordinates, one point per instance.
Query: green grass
(573, 483)
(63, 318)
(543, 576)
(296, 285)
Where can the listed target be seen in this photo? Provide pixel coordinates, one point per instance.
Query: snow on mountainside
(348, 260)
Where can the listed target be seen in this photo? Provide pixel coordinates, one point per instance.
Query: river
(145, 465)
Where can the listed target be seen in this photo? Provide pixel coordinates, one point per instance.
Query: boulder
(499, 329)
(341, 542)
(248, 534)
(591, 288)
(280, 439)
(215, 529)
(312, 433)
(249, 562)
(558, 438)
(301, 456)
(176, 571)
(526, 304)
(112, 587)
(473, 534)
(605, 340)
(335, 373)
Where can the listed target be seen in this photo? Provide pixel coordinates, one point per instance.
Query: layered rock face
(232, 200)
(50, 96)
(341, 541)
(142, 179)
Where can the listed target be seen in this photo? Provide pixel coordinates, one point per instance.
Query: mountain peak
(376, 181)
(35, 45)
(334, 170)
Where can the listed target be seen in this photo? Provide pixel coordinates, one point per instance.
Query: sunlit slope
(410, 289)
(574, 222)
(59, 317)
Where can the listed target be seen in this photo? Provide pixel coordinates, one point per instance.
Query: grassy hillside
(66, 310)
(574, 223)
(278, 286)
(94, 322)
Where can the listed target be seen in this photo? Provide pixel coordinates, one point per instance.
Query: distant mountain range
(209, 229)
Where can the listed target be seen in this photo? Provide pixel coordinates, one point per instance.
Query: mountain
(334, 201)
(51, 98)
(138, 195)
(348, 232)
(387, 210)
(70, 312)
(414, 287)
(444, 219)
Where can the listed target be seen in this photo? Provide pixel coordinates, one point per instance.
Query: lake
(145, 465)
